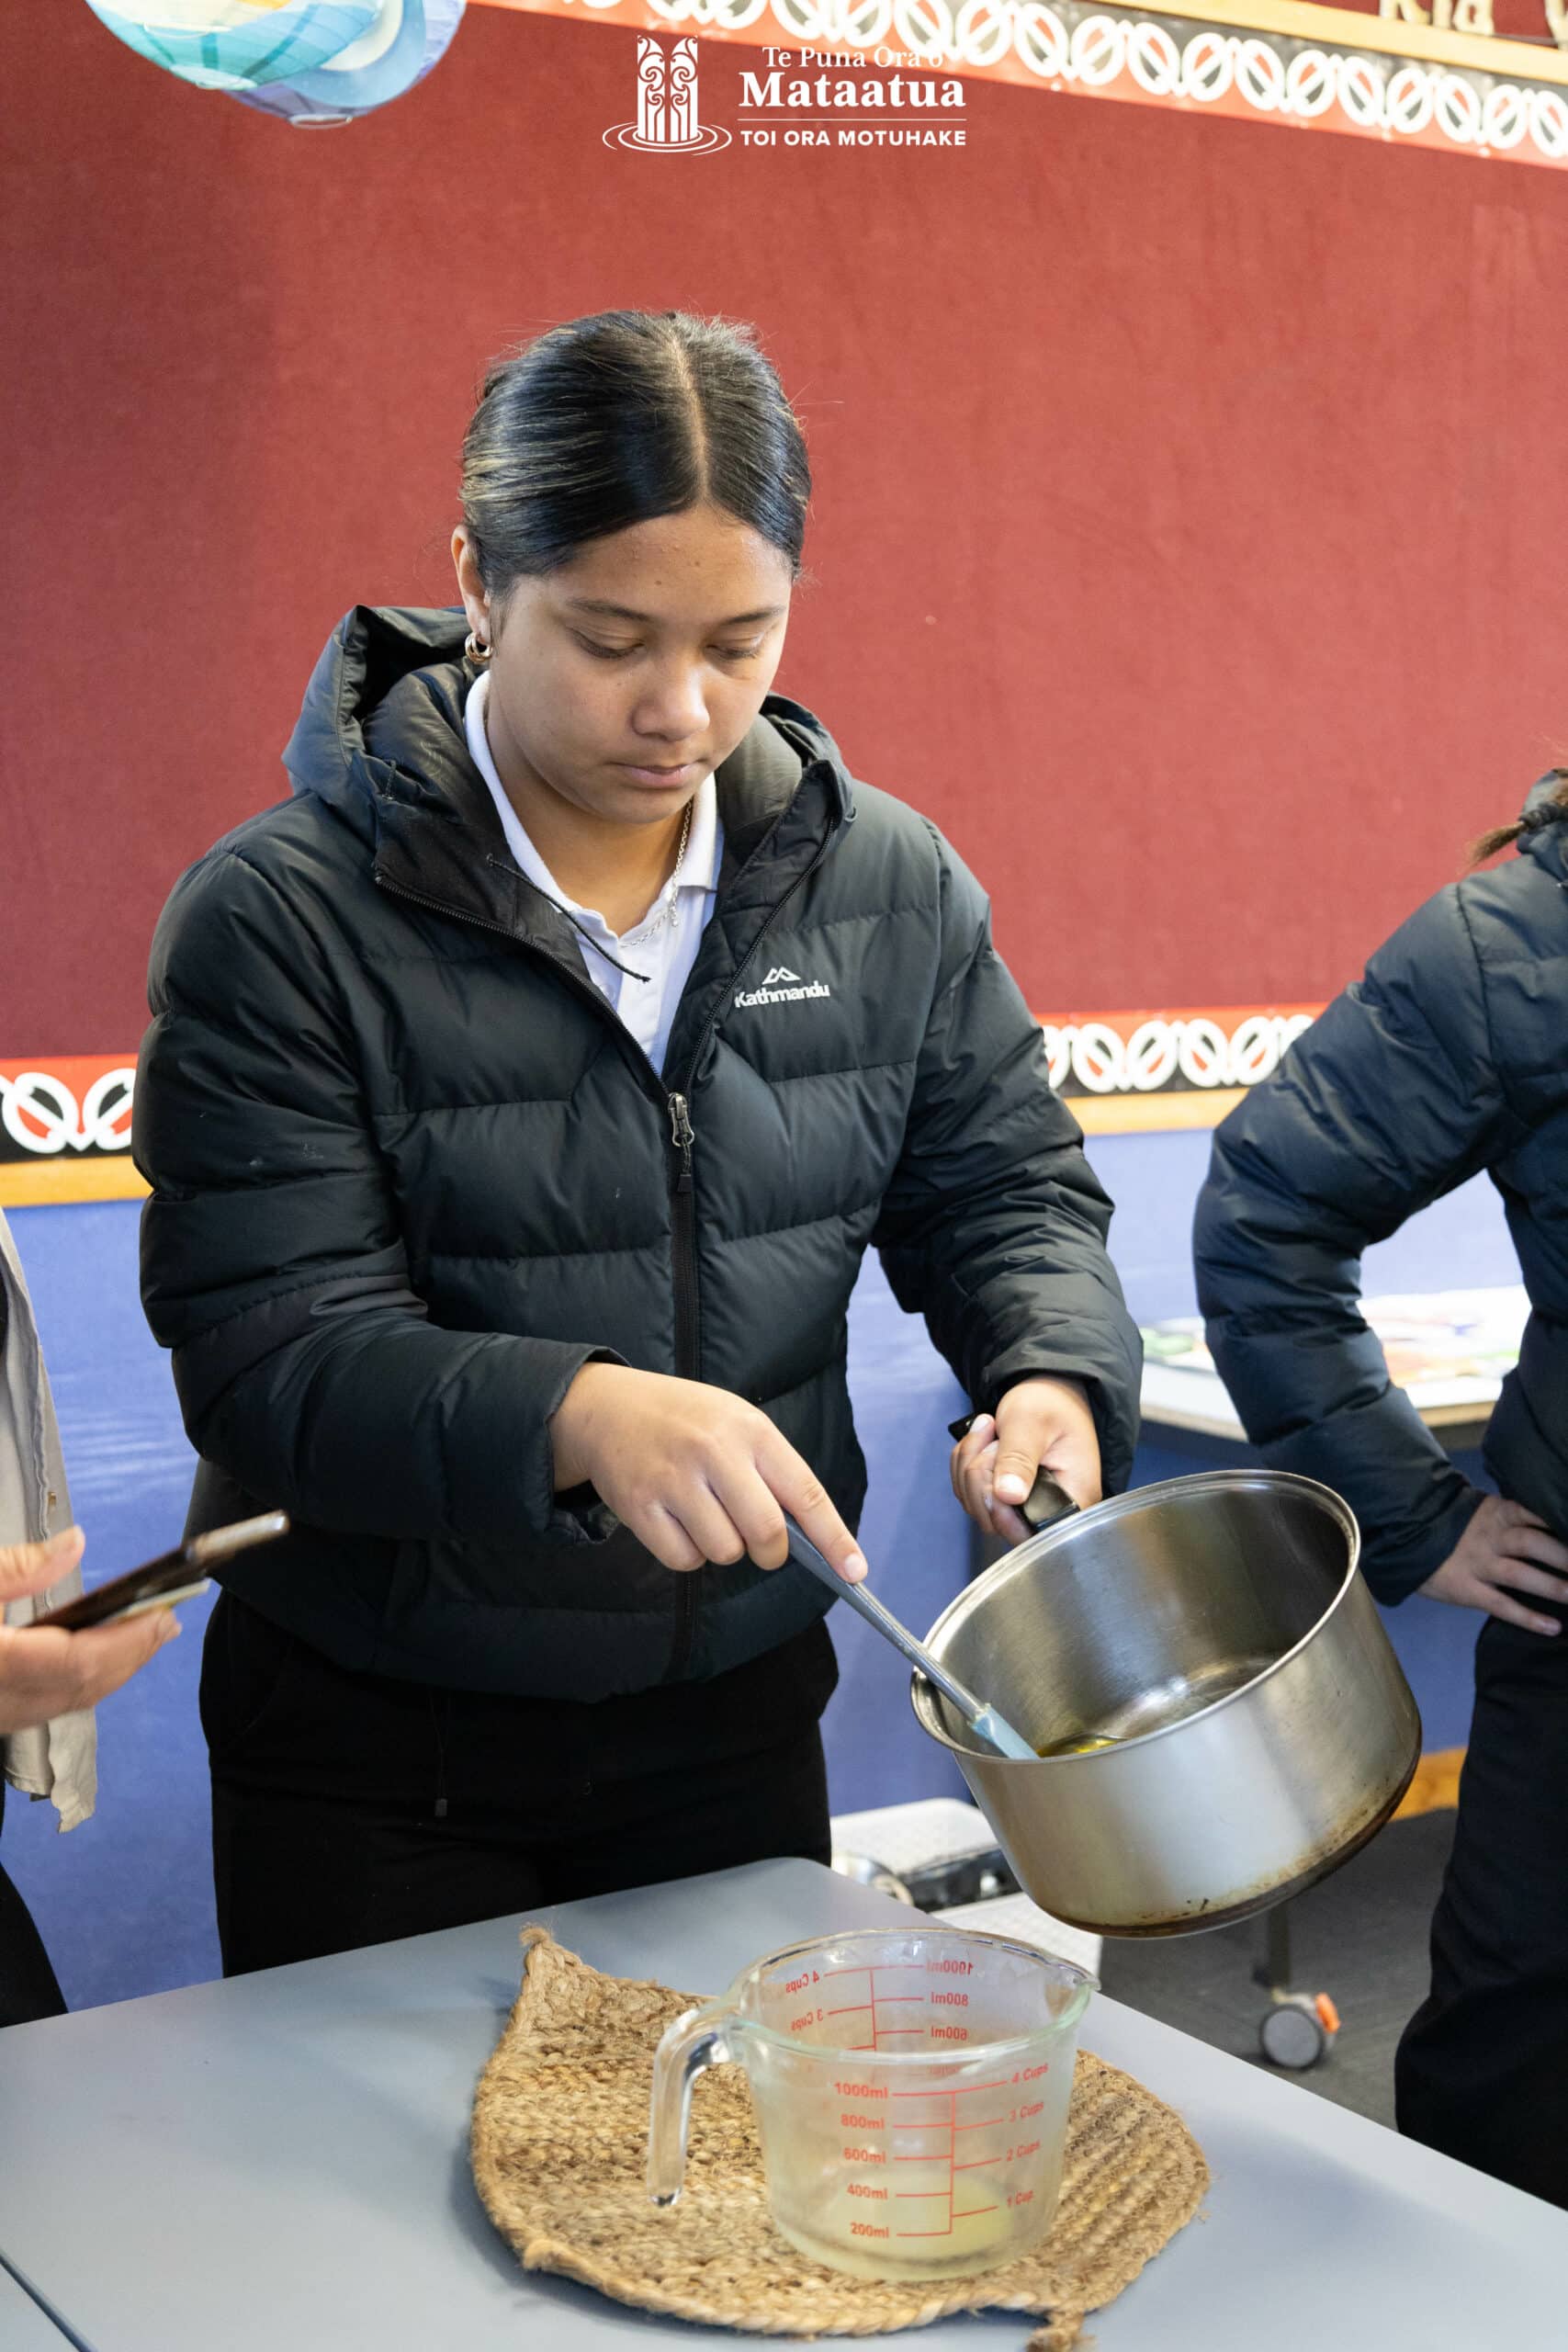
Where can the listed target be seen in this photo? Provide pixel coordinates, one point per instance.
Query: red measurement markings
(867, 1968)
(967, 2090)
(880, 2032)
(952, 2097)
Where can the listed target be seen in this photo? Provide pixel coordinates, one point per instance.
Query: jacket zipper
(684, 1241)
(688, 1354)
(682, 1193)
(683, 1259)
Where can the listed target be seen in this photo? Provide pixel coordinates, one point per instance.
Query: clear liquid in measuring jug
(925, 2171)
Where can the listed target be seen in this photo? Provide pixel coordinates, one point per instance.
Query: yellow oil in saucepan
(1080, 1744)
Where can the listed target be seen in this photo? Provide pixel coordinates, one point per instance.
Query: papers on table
(1448, 1350)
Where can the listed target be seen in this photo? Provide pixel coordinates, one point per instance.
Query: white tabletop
(281, 2162)
(1451, 1350)
(24, 2327)
(1174, 1399)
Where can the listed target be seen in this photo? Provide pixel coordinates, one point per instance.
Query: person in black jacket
(519, 1101)
(1447, 1058)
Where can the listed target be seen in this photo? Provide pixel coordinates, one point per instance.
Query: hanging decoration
(234, 44)
(405, 41)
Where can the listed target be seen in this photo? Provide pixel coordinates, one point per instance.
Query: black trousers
(29, 1987)
(348, 1809)
(1482, 2073)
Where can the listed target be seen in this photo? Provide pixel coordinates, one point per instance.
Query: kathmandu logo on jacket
(783, 987)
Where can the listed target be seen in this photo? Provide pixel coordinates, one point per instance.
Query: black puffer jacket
(1449, 1057)
(410, 1173)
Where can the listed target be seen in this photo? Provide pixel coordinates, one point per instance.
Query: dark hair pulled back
(1552, 810)
(618, 419)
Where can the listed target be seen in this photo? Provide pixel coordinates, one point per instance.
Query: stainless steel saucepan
(1229, 1718)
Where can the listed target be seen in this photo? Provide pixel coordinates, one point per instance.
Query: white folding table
(279, 2164)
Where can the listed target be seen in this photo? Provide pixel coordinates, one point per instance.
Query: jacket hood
(1545, 821)
(381, 726)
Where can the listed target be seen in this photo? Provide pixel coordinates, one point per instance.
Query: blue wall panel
(125, 1901)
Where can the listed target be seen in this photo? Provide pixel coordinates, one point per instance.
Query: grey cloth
(410, 1173)
(56, 1760)
(1450, 1056)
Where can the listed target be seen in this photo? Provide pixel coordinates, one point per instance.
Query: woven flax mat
(559, 2140)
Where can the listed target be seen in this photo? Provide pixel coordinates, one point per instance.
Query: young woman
(520, 1100)
(1447, 1058)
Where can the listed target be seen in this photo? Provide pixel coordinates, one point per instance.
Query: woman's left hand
(1040, 1424)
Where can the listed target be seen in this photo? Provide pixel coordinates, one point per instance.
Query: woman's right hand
(1505, 1550)
(695, 1473)
(45, 1671)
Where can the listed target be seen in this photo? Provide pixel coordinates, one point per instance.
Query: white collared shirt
(659, 952)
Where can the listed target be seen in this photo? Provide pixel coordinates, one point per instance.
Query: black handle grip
(1046, 1502)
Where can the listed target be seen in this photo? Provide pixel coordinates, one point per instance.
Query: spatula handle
(803, 1550)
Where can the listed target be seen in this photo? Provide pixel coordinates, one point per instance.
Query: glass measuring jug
(910, 2087)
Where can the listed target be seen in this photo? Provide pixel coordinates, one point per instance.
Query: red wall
(1190, 495)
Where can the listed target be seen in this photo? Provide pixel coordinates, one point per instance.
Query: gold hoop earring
(476, 651)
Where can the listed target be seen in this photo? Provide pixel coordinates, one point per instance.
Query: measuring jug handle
(694, 2043)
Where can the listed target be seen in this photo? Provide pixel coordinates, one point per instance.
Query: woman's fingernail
(1010, 1486)
(854, 1567)
(64, 1545)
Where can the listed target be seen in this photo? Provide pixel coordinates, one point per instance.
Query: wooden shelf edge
(53, 1184)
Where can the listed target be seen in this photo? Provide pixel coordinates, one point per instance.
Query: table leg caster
(1297, 2030)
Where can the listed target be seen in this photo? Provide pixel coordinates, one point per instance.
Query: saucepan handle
(1046, 1501)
